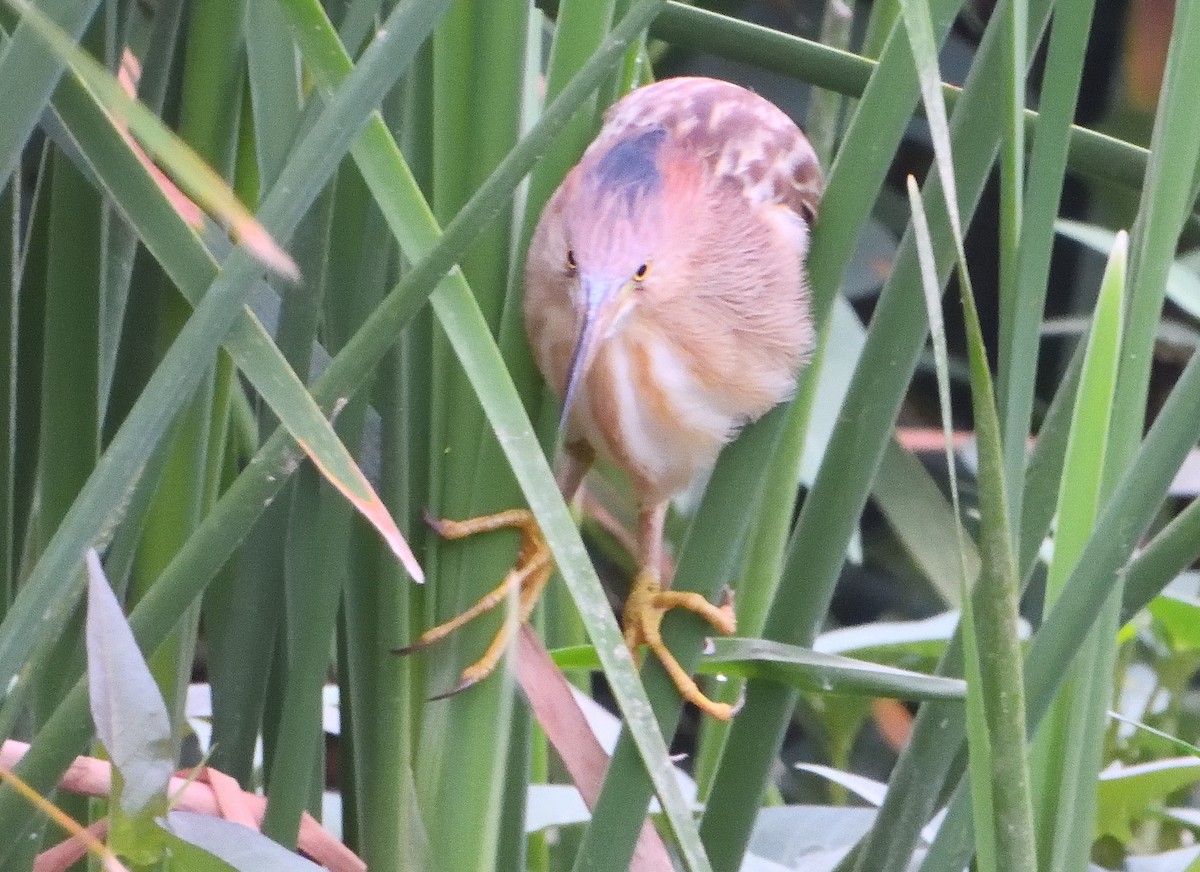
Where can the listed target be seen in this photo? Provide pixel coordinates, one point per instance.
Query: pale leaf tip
(252, 235)
(407, 559)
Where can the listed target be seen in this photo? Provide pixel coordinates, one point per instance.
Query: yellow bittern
(666, 304)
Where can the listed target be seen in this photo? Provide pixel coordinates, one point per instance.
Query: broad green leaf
(128, 710)
(234, 846)
(1180, 617)
(131, 722)
(867, 788)
(1127, 793)
(823, 673)
(798, 667)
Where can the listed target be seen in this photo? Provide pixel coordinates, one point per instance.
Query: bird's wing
(741, 135)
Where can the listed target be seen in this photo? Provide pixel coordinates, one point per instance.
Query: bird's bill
(603, 301)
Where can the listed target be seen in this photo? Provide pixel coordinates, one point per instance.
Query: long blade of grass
(10, 223)
(1008, 841)
(1091, 153)
(1169, 553)
(1012, 205)
(980, 757)
(276, 96)
(1069, 743)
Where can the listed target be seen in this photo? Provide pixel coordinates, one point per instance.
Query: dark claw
(741, 700)
(459, 688)
(416, 646)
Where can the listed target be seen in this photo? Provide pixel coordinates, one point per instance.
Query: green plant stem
(997, 626)
(478, 69)
(1012, 211)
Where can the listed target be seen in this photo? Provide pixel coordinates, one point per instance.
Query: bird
(666, 304)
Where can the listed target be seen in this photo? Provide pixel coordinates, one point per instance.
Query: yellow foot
(527, 579)
(644, 611)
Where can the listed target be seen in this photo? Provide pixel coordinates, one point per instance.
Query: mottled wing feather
(742, 136)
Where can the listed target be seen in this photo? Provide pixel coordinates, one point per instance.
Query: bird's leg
(648, 602)
(527, 579)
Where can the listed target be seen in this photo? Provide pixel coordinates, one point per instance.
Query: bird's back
(743, 137)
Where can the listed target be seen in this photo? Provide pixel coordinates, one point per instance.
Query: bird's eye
(571, 265)
(641, 272)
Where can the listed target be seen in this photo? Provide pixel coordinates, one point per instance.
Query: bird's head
(622, 221)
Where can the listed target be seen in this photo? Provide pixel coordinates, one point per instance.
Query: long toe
(644, 611)
(721, 618)
(524, 582)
